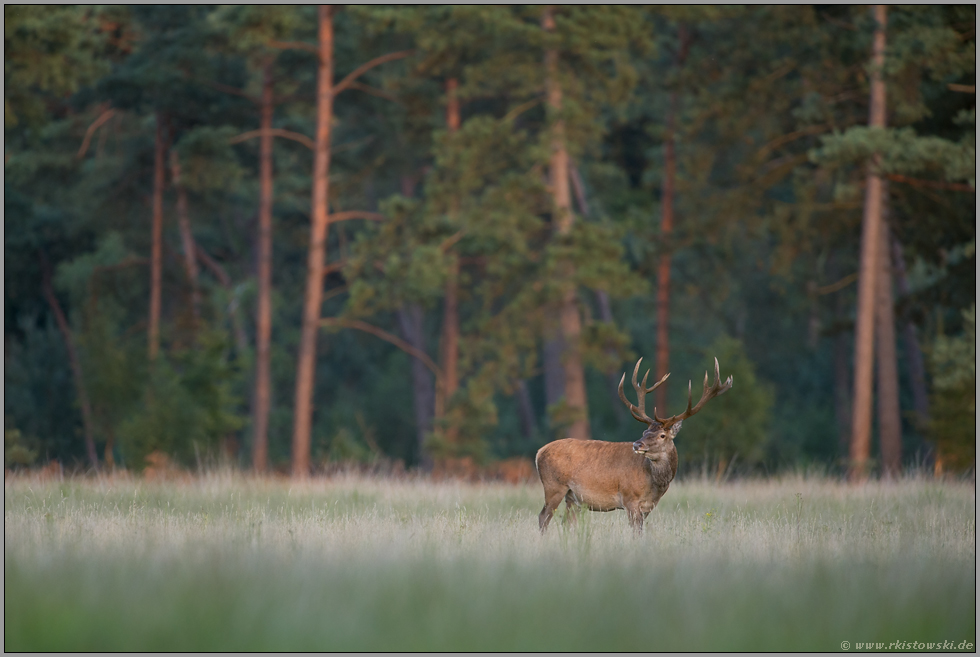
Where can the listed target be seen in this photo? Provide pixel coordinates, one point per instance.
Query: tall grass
(230, 563)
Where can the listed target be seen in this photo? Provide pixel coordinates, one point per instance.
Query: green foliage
(953, 404)
(186, 407)
(735, 424)
(768, 110)
(16, 449)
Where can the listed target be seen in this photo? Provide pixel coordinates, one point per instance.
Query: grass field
(225, 562)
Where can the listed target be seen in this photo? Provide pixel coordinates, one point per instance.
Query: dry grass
(348, 563)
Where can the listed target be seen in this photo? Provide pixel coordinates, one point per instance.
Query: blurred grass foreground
(224, 562)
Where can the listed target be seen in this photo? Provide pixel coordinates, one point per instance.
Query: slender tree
(263, 312)
(868, 273)
(889, 420)
(73, 361)
(570, 321)
(303, 409)
(156, 248)
(667, 192)
(186, 235)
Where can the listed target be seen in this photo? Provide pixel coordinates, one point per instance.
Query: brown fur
(604, 476)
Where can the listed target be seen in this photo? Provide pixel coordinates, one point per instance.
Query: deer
(605, 476)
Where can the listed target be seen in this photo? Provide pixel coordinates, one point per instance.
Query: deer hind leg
(552, 498)
(571, 508)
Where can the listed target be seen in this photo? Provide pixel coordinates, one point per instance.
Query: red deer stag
(605, 476)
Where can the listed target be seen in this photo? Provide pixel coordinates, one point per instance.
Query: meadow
(227, 562)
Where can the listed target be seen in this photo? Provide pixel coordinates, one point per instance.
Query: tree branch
(216, 269)
(354, 214)
(105, 116)
(275, 132)
(372, 91)
(520, 109)
(334, 266)
(230, 90)
(934, 184)
(364, 68)
(387, 337)
(839, 285)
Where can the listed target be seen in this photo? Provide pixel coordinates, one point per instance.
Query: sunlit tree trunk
(303, 408)
(867, 281)
(666, 229)
(263, 314)
(889, 419)
(73, 361)
(450, 320)
(156, 247)
(570, 321)
(186, 236)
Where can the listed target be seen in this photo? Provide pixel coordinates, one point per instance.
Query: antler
(709, 392)
(641, 390)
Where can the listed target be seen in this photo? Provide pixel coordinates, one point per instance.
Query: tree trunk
(842, 391)
(73, 361)
(156, 248)
(867, 282)
(889, 418)
(186, 236)
(663, 263)
(411, 322)
(602, 297)
(525, 410)
(554, 373)
(263, 314)
(666, 228)
(303, 409)
(241, 340)
(450, 321)
(913, 354)
(570, 321)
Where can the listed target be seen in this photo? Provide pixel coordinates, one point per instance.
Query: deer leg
(571, 508)
(551, 501)
(636, 518)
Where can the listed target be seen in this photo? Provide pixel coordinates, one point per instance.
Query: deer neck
(662, 470)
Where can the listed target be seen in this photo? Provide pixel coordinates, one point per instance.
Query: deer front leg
(636, 518)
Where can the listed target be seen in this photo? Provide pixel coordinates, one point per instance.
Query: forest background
(522, 202)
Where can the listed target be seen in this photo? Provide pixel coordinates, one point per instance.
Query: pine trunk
(450, 320)
(156, 247)
(186, 236)
(889, 418)
(663, 264)
(263, 314)
(525, 410)
(73, 361)
(666, 229)
(867, 281)
(570, 321)
(303, 409)
(602, 297)
(913, 354)
(411, 321)
(842, 391)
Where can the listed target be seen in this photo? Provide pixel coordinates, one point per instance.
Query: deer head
(659, 436)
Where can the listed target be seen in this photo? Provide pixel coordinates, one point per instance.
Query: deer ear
(672, 432)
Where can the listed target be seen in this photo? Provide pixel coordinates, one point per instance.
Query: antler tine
(710, 392)
(639, 411)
